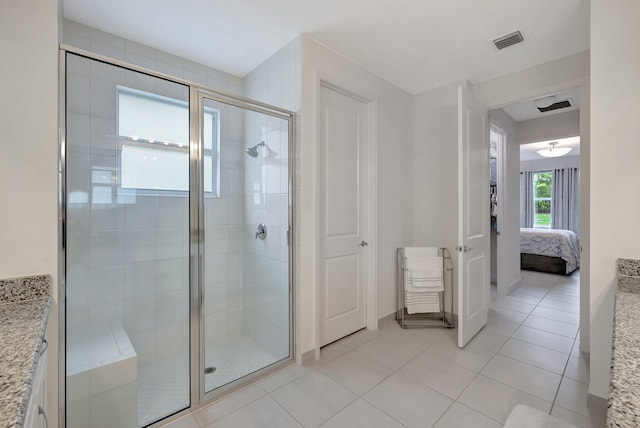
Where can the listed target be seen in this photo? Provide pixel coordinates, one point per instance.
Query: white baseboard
(514, 284)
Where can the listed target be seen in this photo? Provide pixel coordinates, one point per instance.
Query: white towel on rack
(423, 307)
(423, 279)
(424, 265)
(424, 274)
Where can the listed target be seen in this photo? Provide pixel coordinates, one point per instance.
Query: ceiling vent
(555, 106)
(508, 40)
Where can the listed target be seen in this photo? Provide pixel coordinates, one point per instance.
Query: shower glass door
(127, 236)
(246, 319)
(177, 212)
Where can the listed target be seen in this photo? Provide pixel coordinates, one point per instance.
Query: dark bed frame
(543, 264)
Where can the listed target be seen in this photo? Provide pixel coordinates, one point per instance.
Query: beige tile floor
(528, 353)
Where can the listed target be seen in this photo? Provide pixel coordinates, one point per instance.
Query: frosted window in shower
(153, 141)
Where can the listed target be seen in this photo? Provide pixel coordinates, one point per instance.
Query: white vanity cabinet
(36, 417)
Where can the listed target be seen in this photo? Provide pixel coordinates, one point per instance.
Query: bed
(549, 250)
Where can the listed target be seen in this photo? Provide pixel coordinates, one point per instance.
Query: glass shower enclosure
(177, 211)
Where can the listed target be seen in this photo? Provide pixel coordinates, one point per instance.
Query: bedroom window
(153, 134)
(542, 191)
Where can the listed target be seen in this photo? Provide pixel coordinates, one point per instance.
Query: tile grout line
(568, 356)
(477, 373)
(555, 397)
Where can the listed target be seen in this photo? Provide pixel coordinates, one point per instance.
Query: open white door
(473, 216)
(342, 215)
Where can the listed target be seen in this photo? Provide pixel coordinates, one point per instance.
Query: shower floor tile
(163, 386)
(235, 358)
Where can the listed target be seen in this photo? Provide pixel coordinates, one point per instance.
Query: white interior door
(342, 217)
(473, 217)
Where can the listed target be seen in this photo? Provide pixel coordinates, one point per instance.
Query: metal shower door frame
(197, 95)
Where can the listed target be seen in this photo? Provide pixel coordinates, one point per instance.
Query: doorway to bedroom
(538, 303)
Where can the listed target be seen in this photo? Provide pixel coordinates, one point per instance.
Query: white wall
(547, 164)
(585, 215)
(564, 73)
(510, 226)
(394, 177)
(615, 132)
(559, 125)
(435, 171)
(29, 160)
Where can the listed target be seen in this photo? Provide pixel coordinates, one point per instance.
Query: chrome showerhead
(253, 151)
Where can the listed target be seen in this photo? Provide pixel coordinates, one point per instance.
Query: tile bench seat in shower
(101, 377)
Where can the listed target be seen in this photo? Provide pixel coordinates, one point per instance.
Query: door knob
(364, 243)
(463, 249)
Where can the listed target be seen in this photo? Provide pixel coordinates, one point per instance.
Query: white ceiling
(416, 45)
(528, 151)
(526, 110)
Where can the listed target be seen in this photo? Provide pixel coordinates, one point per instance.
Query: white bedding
(553, 243)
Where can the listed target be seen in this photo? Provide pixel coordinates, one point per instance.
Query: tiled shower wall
(266, 267)
(127, 257)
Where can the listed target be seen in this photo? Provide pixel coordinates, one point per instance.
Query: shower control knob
(261, 232)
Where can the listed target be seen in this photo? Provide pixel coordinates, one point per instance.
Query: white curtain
(565, 200)
(526, 199)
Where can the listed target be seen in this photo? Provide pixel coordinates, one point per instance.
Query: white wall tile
(141, 214)
(113, 375)
(140, 60)
(140, 280)
(217, 239)
(216, 327)
(168, 341)
(140, 314)
(216, 297)
(140, 49)
(169, 275)
(144, 343)
(79, 413)
(102, 313)
(106, 72)
(77, 89)
(168, 309)
(107, 283)
(115, 407)
(78, 386)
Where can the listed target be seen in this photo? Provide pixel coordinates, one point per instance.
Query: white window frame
(550, 199)
(138, 141)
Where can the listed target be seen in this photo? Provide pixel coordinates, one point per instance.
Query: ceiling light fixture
(545, 101)
(553, 151)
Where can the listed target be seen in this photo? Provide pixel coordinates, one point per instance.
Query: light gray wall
(615, 132)
(564, 73)
(394, 176)
(548, 164)
(559, 125)
(510, 226)
(435, 170)
(29, 160)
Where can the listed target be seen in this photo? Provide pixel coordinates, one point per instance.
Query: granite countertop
(624, 388)
(24, 310)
